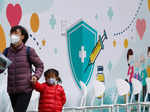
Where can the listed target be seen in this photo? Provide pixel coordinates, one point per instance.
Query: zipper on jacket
(15, 75)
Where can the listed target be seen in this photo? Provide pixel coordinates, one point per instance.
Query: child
(136, 73)
(52, 95)
(130, 60)
(136, 69)
(143, 75)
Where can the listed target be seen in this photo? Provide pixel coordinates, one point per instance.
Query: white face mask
(51, 81)
(14, 39)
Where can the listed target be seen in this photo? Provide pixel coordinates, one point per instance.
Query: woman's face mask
(51, 81)
(14, 39)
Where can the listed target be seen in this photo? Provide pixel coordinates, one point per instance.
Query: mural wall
(86, 40)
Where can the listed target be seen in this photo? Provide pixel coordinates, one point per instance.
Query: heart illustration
(13, 14)
(141, 27)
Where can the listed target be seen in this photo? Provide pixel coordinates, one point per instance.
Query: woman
(20, 76)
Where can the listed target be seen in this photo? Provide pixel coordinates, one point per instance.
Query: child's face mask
(14, 39)
(51, 81)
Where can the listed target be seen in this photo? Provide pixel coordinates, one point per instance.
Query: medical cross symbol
(82, 54)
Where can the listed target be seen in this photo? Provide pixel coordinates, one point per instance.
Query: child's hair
(130, 52)
(148, 50)
(53, 71)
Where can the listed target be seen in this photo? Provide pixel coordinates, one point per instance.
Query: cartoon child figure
(136, 69)
(143, 74)
(130, 60)
(137, 73)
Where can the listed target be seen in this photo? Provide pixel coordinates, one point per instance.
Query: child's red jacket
(52, 97)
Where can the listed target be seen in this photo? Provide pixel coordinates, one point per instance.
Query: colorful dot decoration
(37, 43)
(134, 17)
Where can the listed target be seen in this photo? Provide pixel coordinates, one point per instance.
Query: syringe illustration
(95, 52)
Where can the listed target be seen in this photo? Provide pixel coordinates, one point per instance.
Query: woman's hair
(23, 32)
(148, 50)
(53, 71)
(130, 52)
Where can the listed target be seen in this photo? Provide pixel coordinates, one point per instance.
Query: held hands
(34, 79)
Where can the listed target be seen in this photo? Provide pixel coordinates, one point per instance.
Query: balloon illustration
(2, 40)
(13, 14)
(126, 43)
(149, 5)
(34, 22)
(114, 43)
(43, 42)
(141, 27)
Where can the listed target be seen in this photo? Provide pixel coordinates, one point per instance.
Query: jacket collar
(17, 48)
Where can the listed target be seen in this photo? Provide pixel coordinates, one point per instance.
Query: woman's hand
(34, 79)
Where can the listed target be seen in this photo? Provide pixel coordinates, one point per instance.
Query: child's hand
(34, 79)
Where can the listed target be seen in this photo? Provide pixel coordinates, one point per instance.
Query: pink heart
(14, 14)
(141, 27)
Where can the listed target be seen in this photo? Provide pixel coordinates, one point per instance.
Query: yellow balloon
(43, 42)
(34, 22)
(2, 39)
(149, 5)
(114, 43)
(126, 43)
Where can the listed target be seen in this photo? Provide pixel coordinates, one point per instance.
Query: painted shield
(81, 39)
